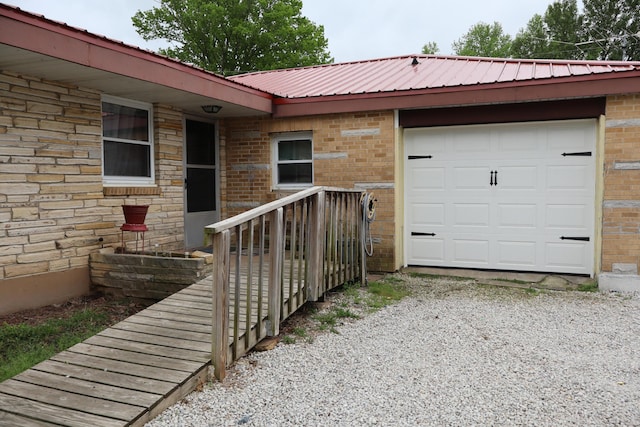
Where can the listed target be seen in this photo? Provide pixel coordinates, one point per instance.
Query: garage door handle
(494, 178)
(413, 233)
(419, 157)
(579, 154)
(582, 239)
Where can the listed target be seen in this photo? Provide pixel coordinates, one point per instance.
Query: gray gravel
(454, 353)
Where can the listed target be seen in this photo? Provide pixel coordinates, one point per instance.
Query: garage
(517, 196)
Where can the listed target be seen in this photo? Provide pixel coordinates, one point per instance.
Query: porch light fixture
(211, 109)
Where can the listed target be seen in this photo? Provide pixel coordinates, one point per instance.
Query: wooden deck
(129, 373)
(125, 375)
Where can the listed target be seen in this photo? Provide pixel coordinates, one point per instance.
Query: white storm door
(201, 181)
(509, 197)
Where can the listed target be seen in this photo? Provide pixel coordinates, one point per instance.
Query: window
(293, 158)
(127, 142)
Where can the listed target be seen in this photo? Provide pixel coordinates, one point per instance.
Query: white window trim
(116, 181)
(289, 136)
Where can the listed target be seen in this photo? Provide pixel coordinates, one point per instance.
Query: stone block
(624, 268)
(17, 270)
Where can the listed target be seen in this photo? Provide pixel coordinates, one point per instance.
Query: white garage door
(507, 196)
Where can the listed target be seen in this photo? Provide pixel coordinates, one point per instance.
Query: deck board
(88, 388)
(100, 376)
(64, 399)
(50, 413)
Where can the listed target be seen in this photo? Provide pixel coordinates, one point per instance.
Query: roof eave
(39, 35)
(511, 92)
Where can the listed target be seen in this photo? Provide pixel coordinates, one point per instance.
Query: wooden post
(276, 249)
(220, 289)
(316, 247)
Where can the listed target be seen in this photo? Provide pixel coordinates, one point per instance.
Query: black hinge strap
(419, 157)
(413, 233)
(582, 239)
(581, 153)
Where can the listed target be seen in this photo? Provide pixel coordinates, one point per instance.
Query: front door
(201, 181)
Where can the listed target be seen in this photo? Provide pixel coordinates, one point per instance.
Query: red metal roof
(403, 74)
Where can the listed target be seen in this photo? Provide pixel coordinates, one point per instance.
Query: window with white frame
(293, 160)
(127, 142)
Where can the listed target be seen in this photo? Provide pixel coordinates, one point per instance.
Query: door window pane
(200, 143)
(201, 193)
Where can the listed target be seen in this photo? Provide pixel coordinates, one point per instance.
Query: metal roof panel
(431, 71)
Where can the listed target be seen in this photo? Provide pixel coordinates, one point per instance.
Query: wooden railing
(272, 259)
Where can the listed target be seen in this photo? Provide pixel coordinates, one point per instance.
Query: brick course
(349, 149)
(621, 214)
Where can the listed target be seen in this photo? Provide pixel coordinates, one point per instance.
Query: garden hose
(368, 204)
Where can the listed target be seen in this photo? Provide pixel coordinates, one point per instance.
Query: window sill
(131, 191)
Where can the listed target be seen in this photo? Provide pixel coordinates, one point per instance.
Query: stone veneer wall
(621, 210)
(350, 151)
(53, 207)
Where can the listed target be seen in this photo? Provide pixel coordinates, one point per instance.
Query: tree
(564, 29)
(484, 40)
(235, 36)
(612, 29)
(531, 42)
(556, 35)
(431, 48)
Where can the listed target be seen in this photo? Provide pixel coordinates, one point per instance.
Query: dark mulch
(116, 309)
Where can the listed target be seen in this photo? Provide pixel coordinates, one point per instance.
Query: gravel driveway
(454, 353)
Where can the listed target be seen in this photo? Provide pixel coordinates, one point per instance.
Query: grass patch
(300, 332)
(588, 287)
(25, 345)
(385, 292)
(288, 339)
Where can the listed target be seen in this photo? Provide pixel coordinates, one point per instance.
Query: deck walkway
(125, 375)
(129, 373)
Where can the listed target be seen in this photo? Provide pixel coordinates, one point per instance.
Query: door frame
(216, 138)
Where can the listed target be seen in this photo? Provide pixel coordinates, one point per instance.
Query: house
(474, 162)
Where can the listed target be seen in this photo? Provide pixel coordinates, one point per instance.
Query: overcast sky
(356, 29)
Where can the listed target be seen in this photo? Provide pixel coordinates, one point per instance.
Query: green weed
(288, 339)
(591, 286)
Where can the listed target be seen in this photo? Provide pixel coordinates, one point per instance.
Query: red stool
(136, 228)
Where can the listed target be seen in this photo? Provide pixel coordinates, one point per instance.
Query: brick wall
(621, 213)
(53, 207)
(350, 151)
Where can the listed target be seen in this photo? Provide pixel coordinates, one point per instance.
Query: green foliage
(288, 339)
(385, 292)
(431, 48)
(554, 35)
(605, 30)
(591, 286)
(531, 42)
(25, 345)
(488, 40)
(235, 36)
(611, 29)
